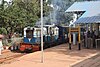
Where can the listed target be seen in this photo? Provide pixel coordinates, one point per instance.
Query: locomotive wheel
(29, 50)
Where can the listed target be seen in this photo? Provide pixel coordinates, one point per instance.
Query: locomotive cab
(29, 42)
(28, 35)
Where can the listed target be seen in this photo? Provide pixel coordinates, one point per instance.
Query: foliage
(14, 16)
(3, 31)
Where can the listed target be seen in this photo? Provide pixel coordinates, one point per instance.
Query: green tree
(20, 13)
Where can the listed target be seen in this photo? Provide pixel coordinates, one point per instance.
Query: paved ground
(59, 56)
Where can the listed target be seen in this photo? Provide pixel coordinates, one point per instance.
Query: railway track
(8, 57)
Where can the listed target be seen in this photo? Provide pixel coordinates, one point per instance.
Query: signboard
(74, 29)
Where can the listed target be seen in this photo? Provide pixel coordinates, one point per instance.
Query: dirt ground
(58, 56)
(8, 57)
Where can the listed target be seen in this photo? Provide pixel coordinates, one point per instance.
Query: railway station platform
(59, 56)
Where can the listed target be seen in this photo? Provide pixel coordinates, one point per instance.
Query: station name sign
(74, 29)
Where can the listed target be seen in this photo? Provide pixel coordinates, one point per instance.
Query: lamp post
(42, 31)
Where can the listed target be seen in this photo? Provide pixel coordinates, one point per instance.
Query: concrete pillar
(74, 35)
(74, 38)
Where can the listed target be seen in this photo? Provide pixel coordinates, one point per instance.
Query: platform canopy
(91, 11)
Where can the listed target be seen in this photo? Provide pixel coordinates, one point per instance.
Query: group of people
(92, 34)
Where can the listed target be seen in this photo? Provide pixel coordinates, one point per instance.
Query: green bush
(3, 31)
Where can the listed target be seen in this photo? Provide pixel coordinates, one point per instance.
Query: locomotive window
(29, 33)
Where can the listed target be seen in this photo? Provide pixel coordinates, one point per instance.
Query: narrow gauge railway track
(8, 57)
(5, 51)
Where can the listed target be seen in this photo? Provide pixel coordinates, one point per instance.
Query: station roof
(91, 11)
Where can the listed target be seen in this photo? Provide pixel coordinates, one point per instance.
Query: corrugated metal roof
(93, 19)
(91, 8)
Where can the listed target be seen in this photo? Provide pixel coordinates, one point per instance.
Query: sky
(5, 0)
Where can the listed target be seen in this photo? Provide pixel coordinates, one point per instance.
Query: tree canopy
(17, 14)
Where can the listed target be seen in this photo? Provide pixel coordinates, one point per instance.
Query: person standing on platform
(1, 45)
